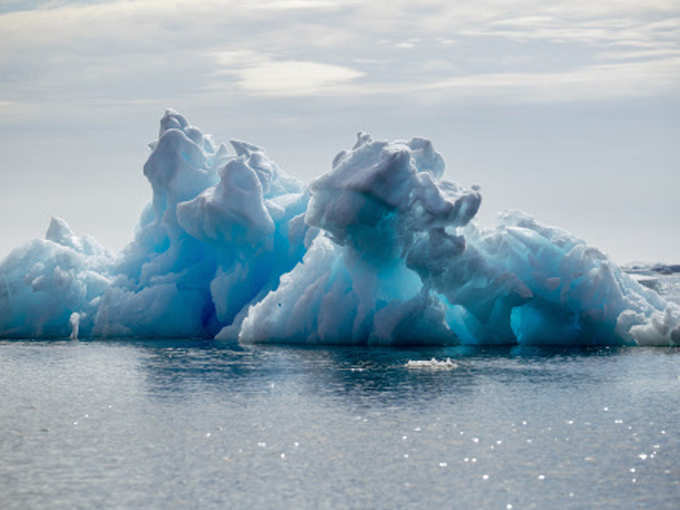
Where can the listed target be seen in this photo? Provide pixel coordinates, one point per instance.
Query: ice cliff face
(379, 250)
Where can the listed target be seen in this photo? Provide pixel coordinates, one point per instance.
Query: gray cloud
(116, 43)
(86, 81)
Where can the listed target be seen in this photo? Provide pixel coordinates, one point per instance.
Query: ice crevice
(380, 250)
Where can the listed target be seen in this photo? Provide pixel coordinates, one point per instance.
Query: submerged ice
(379, 250)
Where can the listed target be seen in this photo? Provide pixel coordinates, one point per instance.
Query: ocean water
(117, 424)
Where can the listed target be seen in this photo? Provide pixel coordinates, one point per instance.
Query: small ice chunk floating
(380, 250)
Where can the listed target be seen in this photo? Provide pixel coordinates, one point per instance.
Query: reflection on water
(176, 424)
(356, 373)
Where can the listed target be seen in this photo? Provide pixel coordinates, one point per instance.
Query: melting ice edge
(379, 250)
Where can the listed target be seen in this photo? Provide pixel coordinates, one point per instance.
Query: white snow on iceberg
(379, 250)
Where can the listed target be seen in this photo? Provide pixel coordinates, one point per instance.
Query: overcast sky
(570, 112)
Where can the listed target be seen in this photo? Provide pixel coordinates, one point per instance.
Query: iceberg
(380, 250)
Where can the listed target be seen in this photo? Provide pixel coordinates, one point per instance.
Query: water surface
(187, 424)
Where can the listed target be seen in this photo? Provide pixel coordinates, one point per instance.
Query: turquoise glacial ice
(379, 250)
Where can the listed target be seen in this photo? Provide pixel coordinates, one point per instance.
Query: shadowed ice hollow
(379, 250)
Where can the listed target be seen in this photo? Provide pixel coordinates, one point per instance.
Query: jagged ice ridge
(379, 250)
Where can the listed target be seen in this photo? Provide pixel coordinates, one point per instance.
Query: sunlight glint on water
(175, 424)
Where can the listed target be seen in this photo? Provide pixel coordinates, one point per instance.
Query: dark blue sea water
(193, 425)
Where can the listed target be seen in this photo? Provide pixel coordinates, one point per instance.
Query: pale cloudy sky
(569, 111)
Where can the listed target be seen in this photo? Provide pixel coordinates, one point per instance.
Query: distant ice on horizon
(380, 250)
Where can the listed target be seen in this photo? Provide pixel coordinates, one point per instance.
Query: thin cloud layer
(530, 52)
(293, 77)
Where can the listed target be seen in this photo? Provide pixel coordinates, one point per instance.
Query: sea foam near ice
(380, 250)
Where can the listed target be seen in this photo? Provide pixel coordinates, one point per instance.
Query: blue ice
(380, 250)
